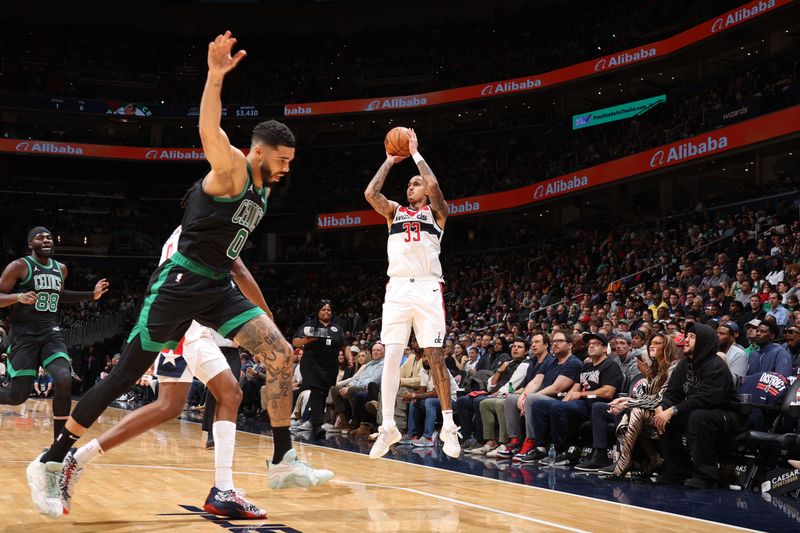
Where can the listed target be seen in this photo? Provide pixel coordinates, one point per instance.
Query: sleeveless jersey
(42, 316)
(414, 244)
(167, 251)
(216, 229)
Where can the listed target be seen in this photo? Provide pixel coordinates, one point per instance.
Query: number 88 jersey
(414, 244)
(41, 317)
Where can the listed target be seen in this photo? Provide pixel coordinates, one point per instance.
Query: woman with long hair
(636, 442)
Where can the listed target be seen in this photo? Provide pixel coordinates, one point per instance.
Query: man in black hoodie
(700, 402)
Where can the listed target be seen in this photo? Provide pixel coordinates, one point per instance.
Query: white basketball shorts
(417, 303)
(199, 357)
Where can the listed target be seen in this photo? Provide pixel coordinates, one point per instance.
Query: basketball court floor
(159, 481)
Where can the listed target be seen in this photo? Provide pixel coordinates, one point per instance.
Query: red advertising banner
(708, 144)
(533, 82)
(20, 146)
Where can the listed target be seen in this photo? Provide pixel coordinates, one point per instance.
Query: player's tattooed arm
(373, 194)
(14, 272)
(262, 338)
(438, 203)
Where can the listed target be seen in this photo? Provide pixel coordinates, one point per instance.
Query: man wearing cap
(750, 332)
(621, 344)
(734, 354)
(769, 357)
(792, 345)
(600, 380)
(34, 286)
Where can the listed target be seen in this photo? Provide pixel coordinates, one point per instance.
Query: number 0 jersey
(414, 244)
(216, 229)
(40, 318)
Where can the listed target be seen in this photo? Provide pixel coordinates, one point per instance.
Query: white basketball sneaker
(43, 480)
(449, 437)
(70, 475)
(292, 472)
(386, 437)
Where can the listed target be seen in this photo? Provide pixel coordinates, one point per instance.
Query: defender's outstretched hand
(220, 60)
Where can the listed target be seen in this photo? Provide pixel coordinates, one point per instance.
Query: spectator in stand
(43, 385)
(467, 406)
(792, 345)
(423, 403)
(637, 442)
(410, 375)
(551, 379)
(751, 330)
(621, 354)
(349, 389)
(504, 383)
(700, 403)
(777, 311)
(600, 380)
(731, 352)
(769, 357)
(754, 310)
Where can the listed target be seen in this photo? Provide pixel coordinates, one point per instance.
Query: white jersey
(414, 244)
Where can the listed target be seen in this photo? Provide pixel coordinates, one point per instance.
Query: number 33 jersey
(215, 229)
(414, 244)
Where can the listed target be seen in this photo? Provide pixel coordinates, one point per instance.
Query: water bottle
(551, 478)
(551, 455)
(510, 388)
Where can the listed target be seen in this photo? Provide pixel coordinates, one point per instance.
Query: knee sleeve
(62, 377)
(133, 362)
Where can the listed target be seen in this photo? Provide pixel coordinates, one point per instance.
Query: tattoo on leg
(262, 338)
(440, 374)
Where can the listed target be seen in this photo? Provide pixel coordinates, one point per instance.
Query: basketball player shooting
(414, 293)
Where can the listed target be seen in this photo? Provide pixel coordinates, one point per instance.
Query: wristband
(417, 157)
(19, 297)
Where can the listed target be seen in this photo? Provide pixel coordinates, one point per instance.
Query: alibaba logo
(373, 105)
(658, 159)
(717, 25)
(23, 147)
(600, 65)
(538, 193)
(488, 90)
(151, 154)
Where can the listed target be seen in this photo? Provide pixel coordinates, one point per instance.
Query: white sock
(447, 419)
(224, 443)
(86, 453)
(390, 382)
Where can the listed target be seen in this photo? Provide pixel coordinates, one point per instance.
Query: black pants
(707, 430)
(232, 357)
(316, 404)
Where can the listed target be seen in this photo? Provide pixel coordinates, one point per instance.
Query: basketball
(396, 141)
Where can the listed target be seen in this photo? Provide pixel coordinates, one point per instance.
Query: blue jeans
(429, 408)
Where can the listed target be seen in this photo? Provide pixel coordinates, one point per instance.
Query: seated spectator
(769, 357)
(409, 382)
(700, 403)
(777, 310)
(423, 404)
(635, 435)
(349, 388)
(509, 377)
(622, 344)
(255, 377)
(792, 345)
(43, 385)
(600, 380)
(754, 309)
(732, 353)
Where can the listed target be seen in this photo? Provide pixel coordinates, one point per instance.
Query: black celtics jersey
(216, 229)
(42, 316)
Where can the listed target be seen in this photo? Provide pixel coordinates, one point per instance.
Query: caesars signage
(739, 135)
(614, 61)
(103, 151)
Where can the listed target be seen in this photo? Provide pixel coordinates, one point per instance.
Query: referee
(321, 340)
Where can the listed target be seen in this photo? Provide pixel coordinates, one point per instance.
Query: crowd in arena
(325, 66)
